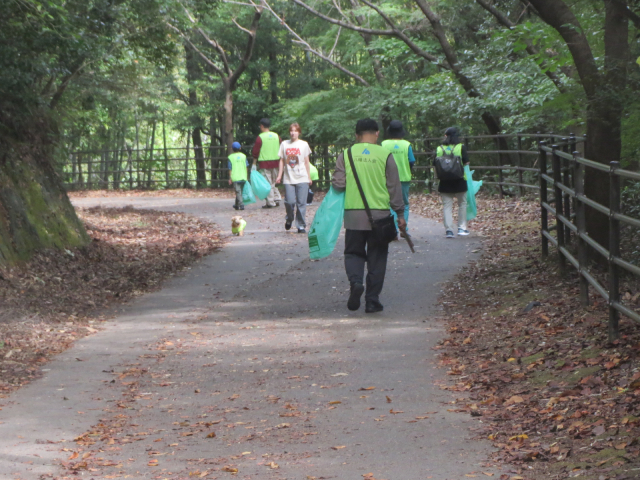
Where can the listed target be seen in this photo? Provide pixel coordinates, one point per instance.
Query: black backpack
(449, 166)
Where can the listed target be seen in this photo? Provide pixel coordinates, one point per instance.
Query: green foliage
(131, 70)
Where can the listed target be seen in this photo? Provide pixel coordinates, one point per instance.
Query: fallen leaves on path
(47, 303)
(531, 363)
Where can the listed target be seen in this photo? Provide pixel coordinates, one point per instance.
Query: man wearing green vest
(403, 154)
(266, 152)
(238, 164)
(378, 174)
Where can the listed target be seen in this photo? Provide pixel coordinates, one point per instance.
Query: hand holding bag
(383, 229)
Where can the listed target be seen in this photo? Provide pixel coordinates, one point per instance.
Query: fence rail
(188, 167)
(567, 184)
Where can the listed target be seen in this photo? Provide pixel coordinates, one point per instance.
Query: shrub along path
(250, 364)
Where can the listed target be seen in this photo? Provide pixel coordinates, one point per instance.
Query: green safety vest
(238, 167)
(270, 149)
(314, 172)
(446, 149)
(371, 163)
(400, 150)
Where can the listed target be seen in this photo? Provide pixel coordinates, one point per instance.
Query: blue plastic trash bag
(326, 225)
(260, 185)
(247, 194)
(472, 188)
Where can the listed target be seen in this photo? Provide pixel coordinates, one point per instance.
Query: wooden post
(166, 157)
(90, 172)
(614, 250)
(80, 174)
(519, 165)
(325, 164)
(150, 162)
(185, 181)
(130, 167)
(557, 179)
(566, 181)
(544, 214)
(581, 223)
(73, 157)
(429, 171)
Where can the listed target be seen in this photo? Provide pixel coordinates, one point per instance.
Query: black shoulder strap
(355, 175)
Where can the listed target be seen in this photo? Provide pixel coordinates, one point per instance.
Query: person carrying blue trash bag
(452, 168)
(368, 175)
(403, 154)
(238, 164)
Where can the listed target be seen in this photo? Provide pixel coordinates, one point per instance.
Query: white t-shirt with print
(294, 153)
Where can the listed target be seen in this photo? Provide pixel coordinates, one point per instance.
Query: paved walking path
(251, 361)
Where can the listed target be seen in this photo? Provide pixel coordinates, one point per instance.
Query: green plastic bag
(326, 225)
(260, 185)
(247, 194)
(472, 188)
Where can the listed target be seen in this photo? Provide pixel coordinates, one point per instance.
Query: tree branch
(558, 15)
(401, 35)
(65, 83)
(350, 26)
(631, 15)
(531, 50)
(217, 47)
(209, 62)
(233, 79)
(336, 42)
(310, 49)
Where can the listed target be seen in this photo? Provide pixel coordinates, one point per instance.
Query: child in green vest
(238, 164)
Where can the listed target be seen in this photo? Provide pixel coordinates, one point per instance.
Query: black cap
(396, 130)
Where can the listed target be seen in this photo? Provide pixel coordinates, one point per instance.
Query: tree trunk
(201, 176)
(35, 211)
(212, 150)
(604, 91)
(228, 118)
(273, 77)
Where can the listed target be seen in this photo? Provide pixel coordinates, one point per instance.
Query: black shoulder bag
(383, 229)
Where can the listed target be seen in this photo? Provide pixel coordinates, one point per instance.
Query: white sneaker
(463, 232)
(449, 234)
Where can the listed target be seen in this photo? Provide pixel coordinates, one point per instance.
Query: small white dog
(238, 225)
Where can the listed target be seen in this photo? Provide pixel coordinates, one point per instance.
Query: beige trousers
(447, 203)
(271, 174)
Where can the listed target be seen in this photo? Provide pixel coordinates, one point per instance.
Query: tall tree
(604, 86)
(450, 63)
(44, 47)
(229, 74)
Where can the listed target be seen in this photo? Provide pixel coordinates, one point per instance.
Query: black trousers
(360, 248)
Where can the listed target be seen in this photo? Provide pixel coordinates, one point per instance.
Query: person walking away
(265, 154)
(313, 174)
(403, 154)
(238, 165)
(294, 171)
(378, 174)
(454, 189)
